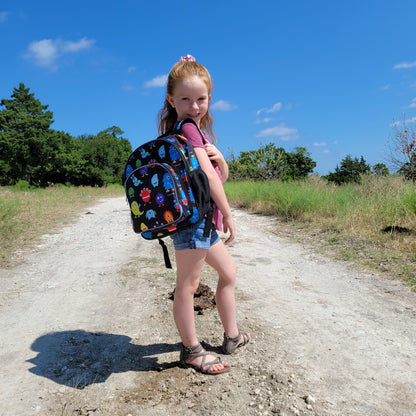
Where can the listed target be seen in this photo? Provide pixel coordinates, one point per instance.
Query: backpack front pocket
(156, 198)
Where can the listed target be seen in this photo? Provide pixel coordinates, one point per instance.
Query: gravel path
(87, 329)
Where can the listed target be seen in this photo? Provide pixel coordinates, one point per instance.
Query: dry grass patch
(25, 215)
(372, 224)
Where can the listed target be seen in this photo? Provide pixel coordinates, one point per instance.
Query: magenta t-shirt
(191, 132)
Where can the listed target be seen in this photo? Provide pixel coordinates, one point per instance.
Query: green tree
(299, 164)
(350, 170)
(24, 128)
(105, 156)
(380, 169)
(62, 161)
(265, 163)
(269, 162)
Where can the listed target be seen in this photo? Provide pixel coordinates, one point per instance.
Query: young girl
(188, 96)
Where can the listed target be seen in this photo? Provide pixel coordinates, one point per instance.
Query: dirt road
(87, 329)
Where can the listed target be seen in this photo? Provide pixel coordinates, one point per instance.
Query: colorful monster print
(176, 205)
(160, 199)
(136, 182)
(158, 180)
(143, 171)
(161, 151)
(143, 153)
(135, 207)
(167, 182)
(129, 170)
(155, 180)
(184, 198)
(151, 214)
(174, 154)
(145, 194)
(168, 216)
(194, 162)
(184, 176)
(195, 216)
(191, 195)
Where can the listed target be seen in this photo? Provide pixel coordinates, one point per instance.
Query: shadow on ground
(79, 358)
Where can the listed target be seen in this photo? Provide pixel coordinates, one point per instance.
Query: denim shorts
(193, 237)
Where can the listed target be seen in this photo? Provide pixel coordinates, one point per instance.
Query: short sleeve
(191, 132)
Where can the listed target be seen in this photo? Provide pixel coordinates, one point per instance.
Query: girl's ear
(170, 100)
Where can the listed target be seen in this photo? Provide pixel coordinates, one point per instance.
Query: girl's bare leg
(189, 264)
(219, 258)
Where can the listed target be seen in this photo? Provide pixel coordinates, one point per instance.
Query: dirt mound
(203, 298)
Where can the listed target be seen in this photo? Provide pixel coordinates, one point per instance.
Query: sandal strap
(231, 344)
(192, 351)
(198, 351)
(209, 364)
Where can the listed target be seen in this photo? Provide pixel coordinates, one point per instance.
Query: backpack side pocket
(200, 189)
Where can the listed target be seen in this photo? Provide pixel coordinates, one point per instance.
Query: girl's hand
(217, 157)
(229, 226)
(213, 153)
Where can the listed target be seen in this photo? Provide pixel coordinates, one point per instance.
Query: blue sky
(331, 76)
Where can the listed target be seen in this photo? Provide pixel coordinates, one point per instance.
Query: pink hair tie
(187, 58)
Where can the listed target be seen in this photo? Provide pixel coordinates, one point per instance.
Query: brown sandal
(198, 351)
(229, 344)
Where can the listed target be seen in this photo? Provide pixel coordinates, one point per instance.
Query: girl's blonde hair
(167, 116)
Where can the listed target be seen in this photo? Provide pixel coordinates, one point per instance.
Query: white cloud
(405, 65)
(263, 120)
(282, 132)
(131, 68)
(3, 16)
(413, 103)
(276, 107)
(159, 81)
(45, 53)
(385, 87)
(222, 105)
(82, 44)
(320, 144)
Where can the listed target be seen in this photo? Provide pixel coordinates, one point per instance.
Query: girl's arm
(216, 156)
(217, 192)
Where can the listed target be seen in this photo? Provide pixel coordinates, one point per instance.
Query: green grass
(346, 220)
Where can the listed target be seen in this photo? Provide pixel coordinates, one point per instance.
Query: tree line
(32, 151)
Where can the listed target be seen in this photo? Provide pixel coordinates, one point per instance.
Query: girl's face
(190, 99)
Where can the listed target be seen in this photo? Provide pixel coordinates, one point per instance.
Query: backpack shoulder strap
(180, 125)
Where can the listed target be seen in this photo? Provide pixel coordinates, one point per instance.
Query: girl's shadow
(79, 358)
